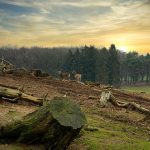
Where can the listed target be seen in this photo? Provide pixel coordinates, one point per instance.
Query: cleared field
(111, 134)
(118, 128)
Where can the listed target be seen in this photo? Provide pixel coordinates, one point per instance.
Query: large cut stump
(55, 125)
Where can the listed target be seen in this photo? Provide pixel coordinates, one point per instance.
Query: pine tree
(101, 66)
(69, 63)
(113, 67)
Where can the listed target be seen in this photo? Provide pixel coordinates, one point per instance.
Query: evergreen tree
(101, 66)
(77, 58)
(69, 62)
(113, 67)
(88, 61)
(147, 68)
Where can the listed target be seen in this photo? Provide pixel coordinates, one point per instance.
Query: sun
(123, 48)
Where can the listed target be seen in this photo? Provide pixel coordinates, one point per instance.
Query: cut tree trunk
(108, 97)
(55, 125)
(14, 95)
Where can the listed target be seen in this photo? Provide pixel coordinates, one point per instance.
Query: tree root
(108, 97)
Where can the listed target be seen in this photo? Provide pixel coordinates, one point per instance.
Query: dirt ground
(86, 95)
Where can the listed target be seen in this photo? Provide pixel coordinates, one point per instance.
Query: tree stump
(108, 97)
(55, 125)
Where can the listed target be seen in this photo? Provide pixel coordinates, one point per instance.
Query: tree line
(106, 66)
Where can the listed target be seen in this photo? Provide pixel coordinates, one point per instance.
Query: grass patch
(145, 89)
(13, 115)
(113, 135)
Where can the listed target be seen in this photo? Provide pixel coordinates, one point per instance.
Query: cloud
(66, 16)
(73, 21)
(15, 9)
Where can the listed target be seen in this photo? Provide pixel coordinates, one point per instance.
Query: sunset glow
(47, 23)
(123, 48)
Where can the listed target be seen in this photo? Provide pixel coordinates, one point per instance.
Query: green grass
(113, 135)
(145, 89)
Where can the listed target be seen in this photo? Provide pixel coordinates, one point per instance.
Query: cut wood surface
(55, 125)
(15, 95)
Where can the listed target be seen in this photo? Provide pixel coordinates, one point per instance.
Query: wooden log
(7, 86)
(130, 105)
(18, 94)
(55, 125)
(90, 128)
(107, 96)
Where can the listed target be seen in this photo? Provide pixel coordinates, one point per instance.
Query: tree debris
(90, 128)
(108, 97)
(55, 125)
(15, 95)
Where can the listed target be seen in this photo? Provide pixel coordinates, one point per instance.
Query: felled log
(125, 94)
(130, 105)
(8, 86)
(16, 94)
(108, 97)
(55, 125)
(105, 86)
(90, 128)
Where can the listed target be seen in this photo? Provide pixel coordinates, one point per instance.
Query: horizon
(63, 23)
(70, 47)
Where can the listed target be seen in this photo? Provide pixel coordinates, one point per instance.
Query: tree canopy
(106, 66)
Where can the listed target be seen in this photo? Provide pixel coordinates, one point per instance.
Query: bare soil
(86, 95)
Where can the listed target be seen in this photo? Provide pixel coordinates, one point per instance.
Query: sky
(50, 23)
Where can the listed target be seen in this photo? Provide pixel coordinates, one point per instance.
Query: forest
(103, 65)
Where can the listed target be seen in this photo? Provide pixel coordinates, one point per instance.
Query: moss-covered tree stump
(55, 125)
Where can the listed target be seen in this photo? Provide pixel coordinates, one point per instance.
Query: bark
(108, 97)
(15, 95)
(104, 98)
(55, 125)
